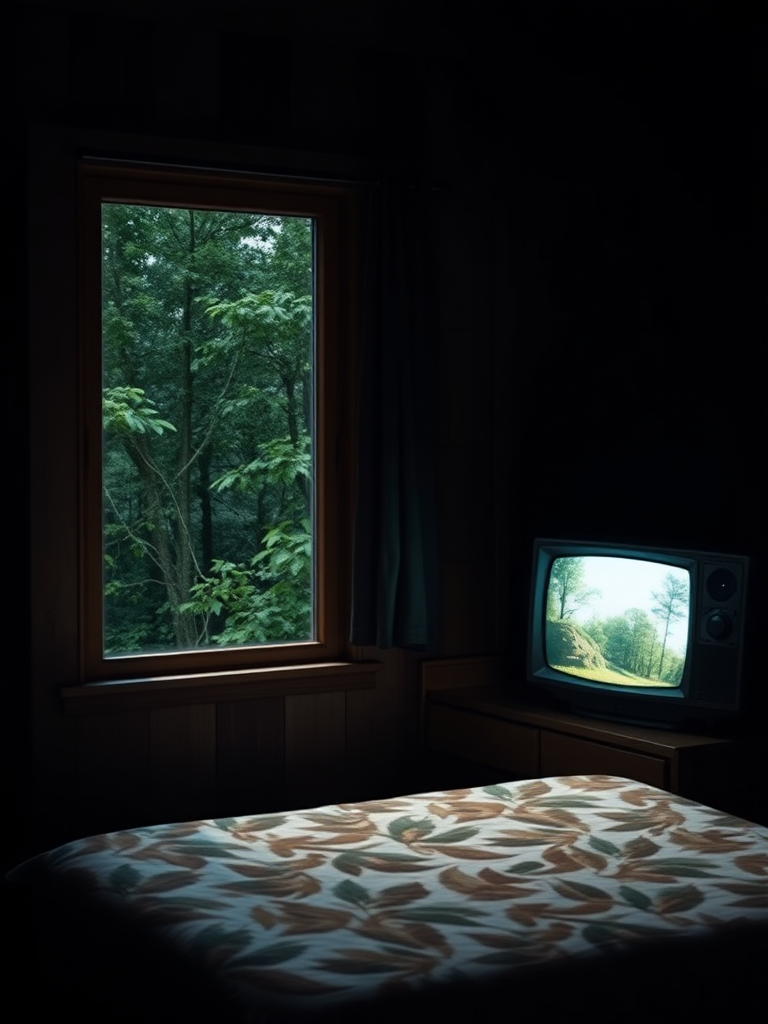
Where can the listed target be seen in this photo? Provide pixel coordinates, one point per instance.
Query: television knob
(718, 626)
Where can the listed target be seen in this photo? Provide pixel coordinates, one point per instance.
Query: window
(216, 393)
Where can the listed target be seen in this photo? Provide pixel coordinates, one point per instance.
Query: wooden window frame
(334, 210)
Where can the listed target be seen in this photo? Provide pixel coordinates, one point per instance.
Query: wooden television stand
(485, 732)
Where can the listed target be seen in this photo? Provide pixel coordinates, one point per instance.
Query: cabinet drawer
(567, 755)
(491, 741)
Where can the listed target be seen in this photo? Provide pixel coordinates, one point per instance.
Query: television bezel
(716, 664)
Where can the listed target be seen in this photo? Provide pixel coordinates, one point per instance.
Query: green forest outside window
(216, 391)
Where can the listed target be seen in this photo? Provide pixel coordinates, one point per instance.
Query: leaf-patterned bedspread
(329, 906)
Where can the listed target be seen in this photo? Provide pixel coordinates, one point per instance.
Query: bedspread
(352, 904)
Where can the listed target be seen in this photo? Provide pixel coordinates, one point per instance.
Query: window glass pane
(208, 364)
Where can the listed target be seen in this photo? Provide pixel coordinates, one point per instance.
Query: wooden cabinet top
(499, 700)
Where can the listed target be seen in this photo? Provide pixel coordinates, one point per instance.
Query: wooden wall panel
(378, 735)
(315, 751)
(132, 768)
(113, 777)
(50, 784)
(183, 761)
(250, 756)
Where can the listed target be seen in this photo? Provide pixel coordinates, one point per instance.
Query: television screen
(644, 634)
(620, 621)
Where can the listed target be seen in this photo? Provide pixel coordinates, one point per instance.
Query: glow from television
(619, 621)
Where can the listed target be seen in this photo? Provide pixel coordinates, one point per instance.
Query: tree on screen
(671, 604)
(567, 590)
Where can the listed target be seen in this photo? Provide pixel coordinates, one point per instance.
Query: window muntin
(242, 348)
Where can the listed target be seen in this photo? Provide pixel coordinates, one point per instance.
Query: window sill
(215, 687)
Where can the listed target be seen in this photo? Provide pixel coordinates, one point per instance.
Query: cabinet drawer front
(491, 741)
(566, 755)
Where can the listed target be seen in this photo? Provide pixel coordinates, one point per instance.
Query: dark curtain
(395, 574)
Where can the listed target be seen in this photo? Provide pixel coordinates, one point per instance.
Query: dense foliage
(208, 428)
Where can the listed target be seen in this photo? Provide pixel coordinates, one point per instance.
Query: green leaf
(498, 791)
(354, 862)
(525, 867)
(462, 916)
(208, 848)
(455, 835)
(634, 897)
(351, 892)
(603, 846)
(125, 878)
(400, 826)
(268, 956)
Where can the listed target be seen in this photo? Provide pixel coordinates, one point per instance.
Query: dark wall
(642, 320)
(599, 243)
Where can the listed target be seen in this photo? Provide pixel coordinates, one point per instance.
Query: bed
(579, 894)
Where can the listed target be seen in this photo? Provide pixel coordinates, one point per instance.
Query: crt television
(649, 635)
